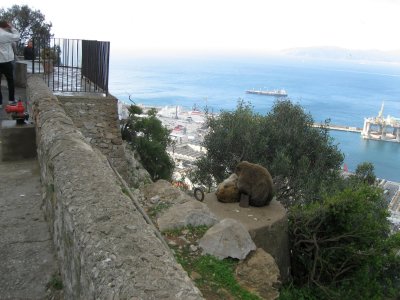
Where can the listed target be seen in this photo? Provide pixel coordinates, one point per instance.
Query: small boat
(279, 93)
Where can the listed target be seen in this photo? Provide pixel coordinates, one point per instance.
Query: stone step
(18, 141)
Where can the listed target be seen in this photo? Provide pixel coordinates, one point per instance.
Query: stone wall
(97, 118)
(105, 248)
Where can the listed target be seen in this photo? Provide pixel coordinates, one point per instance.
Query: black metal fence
(71, 65)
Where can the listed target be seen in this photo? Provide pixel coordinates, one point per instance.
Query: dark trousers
(7, 69)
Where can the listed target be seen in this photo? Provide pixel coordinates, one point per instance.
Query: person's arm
(7, 37)
(14, 47)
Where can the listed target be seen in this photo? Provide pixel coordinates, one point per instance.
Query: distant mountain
(344, 54)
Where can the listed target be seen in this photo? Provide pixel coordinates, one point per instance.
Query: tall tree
(30, 23)
(301, 158)
(231, 138)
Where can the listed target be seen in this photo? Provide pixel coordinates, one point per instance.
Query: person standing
(28, 51)
(8, 35)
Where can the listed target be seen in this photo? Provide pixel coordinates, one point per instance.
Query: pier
(339, 127)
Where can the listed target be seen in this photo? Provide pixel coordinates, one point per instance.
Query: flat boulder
(190, 213)
(228, 238)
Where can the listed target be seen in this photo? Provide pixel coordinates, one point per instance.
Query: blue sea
(343, 91)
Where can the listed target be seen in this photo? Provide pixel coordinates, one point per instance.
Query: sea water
(343, 91)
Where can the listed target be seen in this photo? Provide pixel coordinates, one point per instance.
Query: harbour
(323, 89)
(344, 92)
(375, 128)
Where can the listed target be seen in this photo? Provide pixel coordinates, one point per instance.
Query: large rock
(191, 213)
(259, 274)
(228, 238)
(268, 227)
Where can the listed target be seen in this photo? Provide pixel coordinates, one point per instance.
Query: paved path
(27, 257)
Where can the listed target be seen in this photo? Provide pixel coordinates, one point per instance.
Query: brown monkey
(227, 191)
(255, 182)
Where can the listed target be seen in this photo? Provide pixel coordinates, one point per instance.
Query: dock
(366, 133)
(339, 127)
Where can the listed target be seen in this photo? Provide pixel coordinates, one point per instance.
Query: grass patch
(219, 275)
(55, 283)
(191, 232)
(158, 208)
(214, 277)
(125, 191)
(289, 292)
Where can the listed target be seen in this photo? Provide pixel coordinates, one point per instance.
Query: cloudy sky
(144, 26)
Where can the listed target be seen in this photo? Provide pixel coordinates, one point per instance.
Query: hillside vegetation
(340, 238)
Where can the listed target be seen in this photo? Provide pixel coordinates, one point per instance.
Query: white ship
(278, 93)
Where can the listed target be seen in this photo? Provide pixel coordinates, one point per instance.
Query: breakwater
(339, 127)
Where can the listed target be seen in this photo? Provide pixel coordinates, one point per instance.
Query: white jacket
(6, 39)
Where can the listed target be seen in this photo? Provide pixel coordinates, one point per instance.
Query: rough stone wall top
(97, 118)
(105, 247)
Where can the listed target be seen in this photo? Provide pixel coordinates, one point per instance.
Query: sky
(232, 26)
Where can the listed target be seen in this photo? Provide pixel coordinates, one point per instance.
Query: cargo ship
(277, 93)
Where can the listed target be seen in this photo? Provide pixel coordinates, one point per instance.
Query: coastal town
(187, 133)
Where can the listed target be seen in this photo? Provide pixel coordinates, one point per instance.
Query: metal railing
(71, 65)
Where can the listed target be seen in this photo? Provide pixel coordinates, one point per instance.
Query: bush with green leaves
(302, 159)
(365, 173)
(150, 139)
(341, 246)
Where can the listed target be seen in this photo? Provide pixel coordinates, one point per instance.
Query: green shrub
(150, 139)
(55, 282)
(341, 246)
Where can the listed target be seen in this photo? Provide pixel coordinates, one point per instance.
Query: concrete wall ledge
(105, 248)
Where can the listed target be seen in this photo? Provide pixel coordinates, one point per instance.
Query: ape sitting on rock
(227, 191)
(254, 183)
